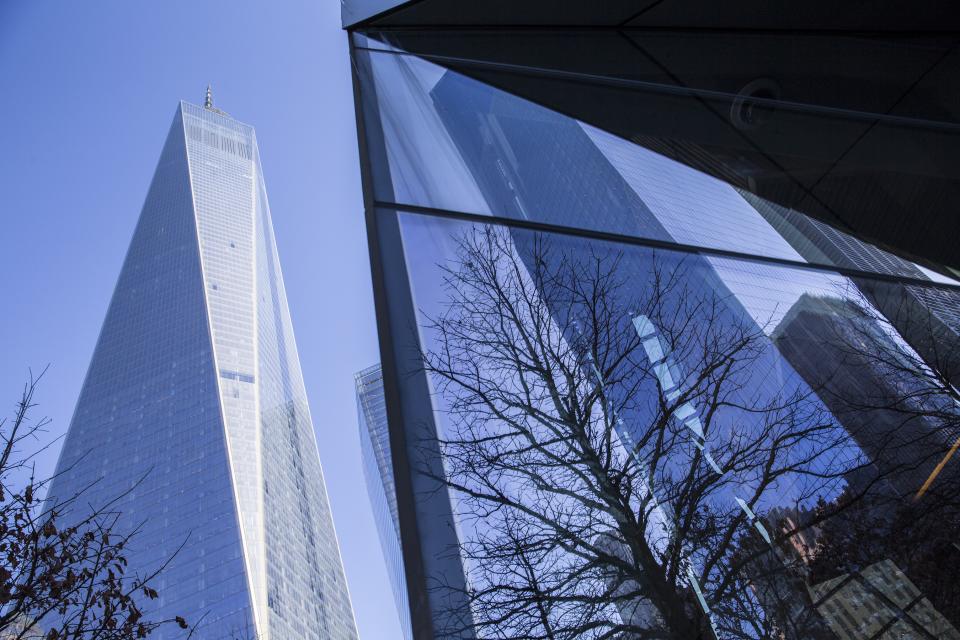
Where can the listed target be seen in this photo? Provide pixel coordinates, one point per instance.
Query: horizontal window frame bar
(370, 25)
(608, 236)
(676, 90)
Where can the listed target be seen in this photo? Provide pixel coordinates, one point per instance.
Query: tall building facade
(378, 474)
(194, 408)
(685, 156)
(927, 318)
(877, 403)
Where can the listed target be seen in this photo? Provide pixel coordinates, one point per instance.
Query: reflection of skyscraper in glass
(505, 142)
(879, 602)
(497, 144)
(534, 164)
(378, 472)
(626, 593)
(848, 360)
(195, 391)
(928, 318)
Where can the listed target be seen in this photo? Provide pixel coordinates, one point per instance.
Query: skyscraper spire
(208, 101)
(245, 423)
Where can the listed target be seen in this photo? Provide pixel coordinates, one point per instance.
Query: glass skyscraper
(378, 473)
(194, 408)
(572, 210)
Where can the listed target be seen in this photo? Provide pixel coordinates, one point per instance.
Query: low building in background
(879, 603)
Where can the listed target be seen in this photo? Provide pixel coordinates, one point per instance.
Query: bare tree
(616, 432)
(63, 577)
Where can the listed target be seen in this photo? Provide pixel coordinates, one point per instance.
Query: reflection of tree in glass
(612, 451)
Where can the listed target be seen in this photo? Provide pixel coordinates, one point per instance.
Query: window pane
(783, 452)
(452, 142)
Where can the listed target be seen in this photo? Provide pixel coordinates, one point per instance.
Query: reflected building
(927, 318)
(592, 178)
(713, 157)
(378, 474)
(879, 603)
(784, 593)
(503, 142)
(194, 409)
(833, 344)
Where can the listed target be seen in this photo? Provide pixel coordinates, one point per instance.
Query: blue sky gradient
(89, 91)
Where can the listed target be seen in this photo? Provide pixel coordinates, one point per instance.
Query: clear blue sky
(87, 93)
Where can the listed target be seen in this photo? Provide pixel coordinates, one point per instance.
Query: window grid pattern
(195, 385)
(148, 412)
(223, 196)
(378, 473)
(293, 556)
(307, 594)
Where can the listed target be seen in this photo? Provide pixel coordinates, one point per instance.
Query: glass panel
(354, 11)
(880, 76)
(378, 473)
(452, 142)
(857, 145)
(362, 40)
(147, 438)
(642, 441)
(422, 163)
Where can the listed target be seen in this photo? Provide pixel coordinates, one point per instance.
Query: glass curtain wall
(378, 474)
(629, 399)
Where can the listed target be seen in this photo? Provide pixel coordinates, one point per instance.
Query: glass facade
(195, 403)
(378, 473)
(761, 100)
(637, 399)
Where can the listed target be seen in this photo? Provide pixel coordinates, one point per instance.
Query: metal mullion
(609, 236)
(679, 90)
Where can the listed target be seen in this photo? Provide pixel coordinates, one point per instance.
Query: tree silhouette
(617, 434)
(64, 578)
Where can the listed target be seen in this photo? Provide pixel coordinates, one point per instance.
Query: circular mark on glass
(753, 104)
